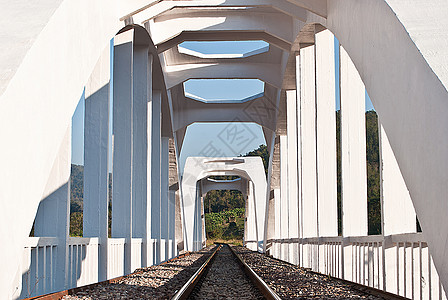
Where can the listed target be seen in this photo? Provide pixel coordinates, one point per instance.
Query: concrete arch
(197, 168)
(410, 98)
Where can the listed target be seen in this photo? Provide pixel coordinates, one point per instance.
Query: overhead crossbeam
(230, 35)
(165, 28)
(269, 73)
(262, 111)
(297, 9)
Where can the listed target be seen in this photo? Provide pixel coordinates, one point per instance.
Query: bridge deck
(288, 281)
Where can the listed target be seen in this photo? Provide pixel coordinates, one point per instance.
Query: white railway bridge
(53, 50)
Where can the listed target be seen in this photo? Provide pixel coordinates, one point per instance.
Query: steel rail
(188, 287)
(256, 280)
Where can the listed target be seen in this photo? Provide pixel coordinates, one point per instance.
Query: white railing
(136, 254)
(38, 266)
(115, 257)
(45, 259)
(400, 264)
(83, 258)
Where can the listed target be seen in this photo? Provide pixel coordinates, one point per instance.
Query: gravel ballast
(225, 280)
(292, 282)
(155, 282)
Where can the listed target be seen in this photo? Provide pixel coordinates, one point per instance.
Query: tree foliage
(373, 175)
(225, 225)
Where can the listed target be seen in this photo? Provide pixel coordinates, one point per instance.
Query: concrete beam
(161, 8)
(269, 73)
(165, 28)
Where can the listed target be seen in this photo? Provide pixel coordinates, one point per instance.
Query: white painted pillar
(122, 152)
(251, 230)
(164, 188)
(96, 157)
(156, 136)
(326, 134)
(299, 154)
(398, 210)
(353, 157)
(308, 142)
(141, 76)
(197, 238)
(293, 184)
(53, 215)
(148, 246)
(398, 214)
(353, 149)
(284, 191)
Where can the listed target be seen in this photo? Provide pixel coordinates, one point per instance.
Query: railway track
(222, 272)
(225, 276)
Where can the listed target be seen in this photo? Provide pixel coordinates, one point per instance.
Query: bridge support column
(398, 214)
(96, 153)
(293, 185)
(148, 245)
(308, 142)
(164, 209)
(53, 214)
(284, 199)
(123, 139)
(155, 190)
(142, 75)
(131, 75)
(326, 140)
(353, 149)
(353, 156)
(299, 155)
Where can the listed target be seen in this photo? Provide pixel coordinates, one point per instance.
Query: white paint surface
(353, 149)
(308, 142)
(326, 135)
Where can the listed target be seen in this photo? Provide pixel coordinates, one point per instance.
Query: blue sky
(208, 137)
